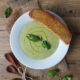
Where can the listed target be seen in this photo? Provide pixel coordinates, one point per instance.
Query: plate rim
(26, 22)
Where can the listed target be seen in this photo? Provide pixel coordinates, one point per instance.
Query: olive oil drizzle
(37, 45)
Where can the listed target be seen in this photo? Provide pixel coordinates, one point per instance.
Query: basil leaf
(52, 73)
(46, 44)
(26, 0)
(7, 12)
(16, 79)
(66, 78)
(33, 37)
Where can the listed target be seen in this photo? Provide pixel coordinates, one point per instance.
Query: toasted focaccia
(52, 23)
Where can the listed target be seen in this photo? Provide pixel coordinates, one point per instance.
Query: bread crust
(52, 23)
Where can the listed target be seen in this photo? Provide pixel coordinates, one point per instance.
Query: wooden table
(70, 11)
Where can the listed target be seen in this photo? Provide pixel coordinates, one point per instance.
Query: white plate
(25, 60)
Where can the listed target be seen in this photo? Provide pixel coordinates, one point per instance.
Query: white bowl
(25, 60)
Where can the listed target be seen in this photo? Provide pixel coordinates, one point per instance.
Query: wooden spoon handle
(11, 60)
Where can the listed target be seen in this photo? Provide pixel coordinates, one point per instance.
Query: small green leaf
(66, 78)
(26, 0)
(33, 37)
(52, 73)
(16, 79)
(46, 44)
(7, 12)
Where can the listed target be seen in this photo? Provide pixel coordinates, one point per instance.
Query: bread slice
(52, 23)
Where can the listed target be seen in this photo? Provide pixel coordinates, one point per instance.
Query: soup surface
(35, 50)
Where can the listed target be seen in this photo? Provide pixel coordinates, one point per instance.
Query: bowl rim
(16, 50)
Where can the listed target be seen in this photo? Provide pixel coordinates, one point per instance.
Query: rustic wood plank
(73, 23)
(62, 7)
(75, 70)
(74, 51)
(3, 21)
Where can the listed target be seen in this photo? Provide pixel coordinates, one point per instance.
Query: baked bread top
(52, 23)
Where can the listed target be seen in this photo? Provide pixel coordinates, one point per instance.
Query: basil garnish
(33, 37)
(16, 79)
(46, 44)
(26, 0)
(66, 78)
(52, 73)
(7, 12)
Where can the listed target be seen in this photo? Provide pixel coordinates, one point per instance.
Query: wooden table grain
(69, 10)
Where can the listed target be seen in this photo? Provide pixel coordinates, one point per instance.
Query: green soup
(35, 50)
